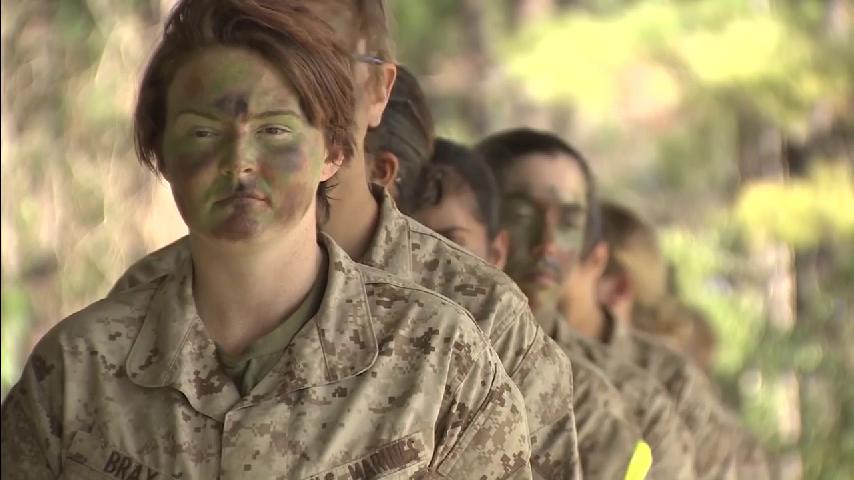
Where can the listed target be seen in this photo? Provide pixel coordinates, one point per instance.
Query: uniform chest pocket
(91, 458)
(399, 459)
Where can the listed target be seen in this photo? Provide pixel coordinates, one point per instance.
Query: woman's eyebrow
(262, 115)
(277, 113)
(197, 113)
(519, 194)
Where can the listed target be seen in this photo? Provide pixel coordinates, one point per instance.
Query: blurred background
(729, 124)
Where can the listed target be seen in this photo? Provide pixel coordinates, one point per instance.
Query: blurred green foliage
(777, 373)
(15, 313)
(705, 89)
(708, 277)
(815, 215)
(672, 51)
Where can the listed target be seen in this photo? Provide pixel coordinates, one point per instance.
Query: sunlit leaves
(800, 212)
(727, 50)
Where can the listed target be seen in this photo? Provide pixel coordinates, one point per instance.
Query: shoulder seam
(391, 279)
(457, 249)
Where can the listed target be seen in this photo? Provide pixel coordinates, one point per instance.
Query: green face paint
(545, 239)
(544, 212)
(238, 153)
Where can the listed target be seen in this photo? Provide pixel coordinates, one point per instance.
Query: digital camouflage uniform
(723, 449)
(388, 379)
(536, 364)
(607, 436)
(648, 402)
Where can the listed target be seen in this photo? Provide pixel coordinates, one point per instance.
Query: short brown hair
(373, 26)
(634, 251)
(407, 131)
(284, 32)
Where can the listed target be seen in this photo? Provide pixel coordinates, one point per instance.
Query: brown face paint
(234, 105)
(193, 86)
(239, 155)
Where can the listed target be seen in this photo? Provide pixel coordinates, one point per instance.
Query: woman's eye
(203, 133)
(573, 217)
(274, 130)
(518, 211)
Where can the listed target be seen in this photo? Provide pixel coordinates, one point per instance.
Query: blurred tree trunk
(796, 277)
(479, 59)
(827, 139)
(760, 158)
(34, 56)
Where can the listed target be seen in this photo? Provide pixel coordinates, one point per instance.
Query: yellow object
(640, 463)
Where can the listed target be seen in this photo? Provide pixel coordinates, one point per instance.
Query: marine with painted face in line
(554, 197)
(369, 228)
(551, 204)
(636, 284)
(226, 368)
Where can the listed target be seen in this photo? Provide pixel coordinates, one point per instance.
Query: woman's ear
(385, 168)
(498, 249)
(597, 260)
(614, 288)
(332, 164)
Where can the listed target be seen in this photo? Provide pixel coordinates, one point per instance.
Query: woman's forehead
(224, 64)
(226, 73)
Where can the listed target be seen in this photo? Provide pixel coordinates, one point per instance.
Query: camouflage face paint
(543, 210)
(234, 105)
(238, 152)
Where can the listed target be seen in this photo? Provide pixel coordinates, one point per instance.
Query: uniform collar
(609, 325)
(556, 327)
(174, 350)
(572, 341)
(390, 248)
(616, 330)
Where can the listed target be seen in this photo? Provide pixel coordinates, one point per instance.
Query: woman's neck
(354, 210)
(243, 291)
(585, 317)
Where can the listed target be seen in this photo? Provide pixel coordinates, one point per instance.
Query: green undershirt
(247, 369)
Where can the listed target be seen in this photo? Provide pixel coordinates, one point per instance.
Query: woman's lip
(542, 278)
(244, 197)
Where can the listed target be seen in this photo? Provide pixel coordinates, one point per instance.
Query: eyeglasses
(369, 59)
